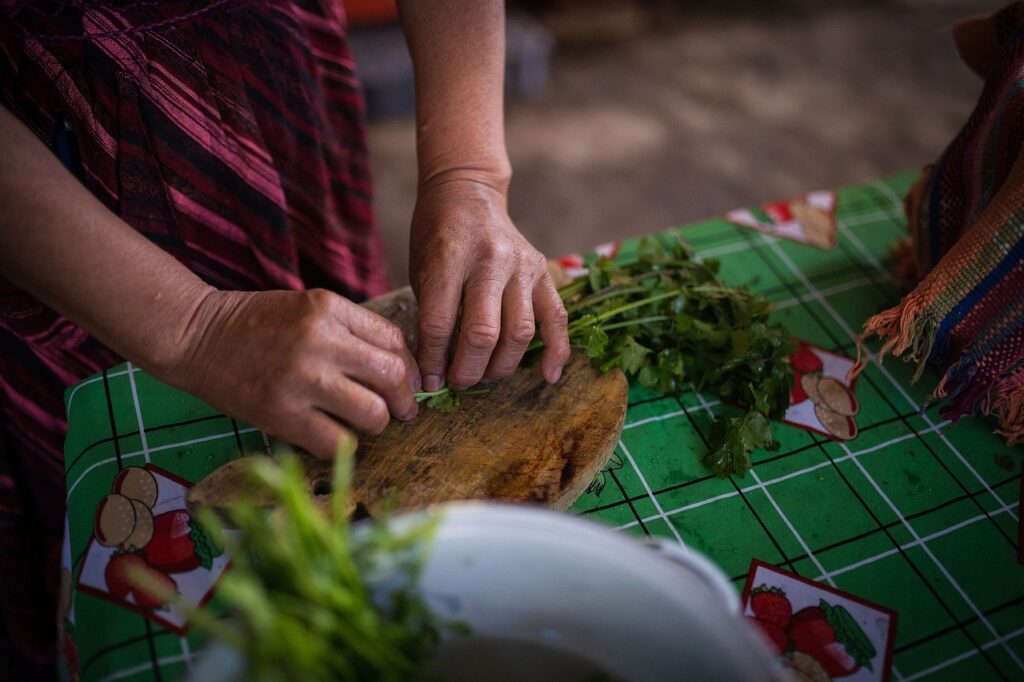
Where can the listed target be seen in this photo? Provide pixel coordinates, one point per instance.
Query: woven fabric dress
(966, 218)
(228, 132)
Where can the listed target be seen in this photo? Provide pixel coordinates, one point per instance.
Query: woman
(204, 211)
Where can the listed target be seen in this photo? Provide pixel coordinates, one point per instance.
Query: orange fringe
(1009, 410)
(902, 327)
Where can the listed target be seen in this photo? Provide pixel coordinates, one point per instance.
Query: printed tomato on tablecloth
(145, 539)
(819, 633)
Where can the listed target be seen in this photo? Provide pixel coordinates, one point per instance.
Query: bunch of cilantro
(668, 321)
(308, 597)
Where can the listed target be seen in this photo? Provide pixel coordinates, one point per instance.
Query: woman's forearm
(61, 244)
(458, 49)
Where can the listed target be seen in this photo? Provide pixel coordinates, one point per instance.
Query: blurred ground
(710, 111)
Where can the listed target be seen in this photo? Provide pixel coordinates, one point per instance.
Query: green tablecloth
(913, 514)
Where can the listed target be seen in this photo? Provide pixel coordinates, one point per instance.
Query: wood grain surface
(523, 441)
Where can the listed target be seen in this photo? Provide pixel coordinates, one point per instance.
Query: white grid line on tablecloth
(844, 228)
(830, 291)
(1004, 639)
(927, 538)
(942, 569)
(867, 218)
(726, 249)
(650, 494)
(159, 448)
(779, 479)
(93, 380)
(864, 472)
(142, 667)
(138, 413)
(186, 652)
(778, 510)
(663, 417)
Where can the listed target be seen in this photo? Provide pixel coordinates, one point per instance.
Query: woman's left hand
(466, 253)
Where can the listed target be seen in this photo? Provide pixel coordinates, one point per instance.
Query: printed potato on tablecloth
(822, 400)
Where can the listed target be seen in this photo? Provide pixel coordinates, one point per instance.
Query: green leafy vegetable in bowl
(309, 597)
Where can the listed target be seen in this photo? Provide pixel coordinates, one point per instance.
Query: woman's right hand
(301, 365)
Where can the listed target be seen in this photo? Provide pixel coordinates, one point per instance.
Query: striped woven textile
(231, 134)
(966, 217)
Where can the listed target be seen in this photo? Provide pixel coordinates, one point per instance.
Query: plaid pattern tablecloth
(913, 514)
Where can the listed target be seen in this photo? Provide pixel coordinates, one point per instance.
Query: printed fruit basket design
(143, 536)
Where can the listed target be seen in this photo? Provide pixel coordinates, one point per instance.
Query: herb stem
(636, 304)
(607, 292)
(427, 395)
(630, 323)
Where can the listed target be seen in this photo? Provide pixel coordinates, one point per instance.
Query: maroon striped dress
(231, 134)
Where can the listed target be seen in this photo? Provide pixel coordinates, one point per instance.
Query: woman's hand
(464, 251)
(301, 365)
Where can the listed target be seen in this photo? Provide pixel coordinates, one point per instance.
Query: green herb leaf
(733, 439)
(667, 320)
(443, 402)
(631, 355)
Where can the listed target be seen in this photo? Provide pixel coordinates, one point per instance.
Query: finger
(438, 308)
(384, 372)
(517, 329)
(553, 330)
(354, 404)
(319, 434)
(478, 333)
(382, 333)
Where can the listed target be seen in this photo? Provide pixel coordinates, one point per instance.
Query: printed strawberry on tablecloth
(819, 633)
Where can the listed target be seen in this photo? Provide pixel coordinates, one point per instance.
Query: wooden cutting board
(524, 441)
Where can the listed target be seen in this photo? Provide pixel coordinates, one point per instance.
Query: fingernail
(555, 375)
(431, 382)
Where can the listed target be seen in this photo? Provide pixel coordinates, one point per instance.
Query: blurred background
(625, 117)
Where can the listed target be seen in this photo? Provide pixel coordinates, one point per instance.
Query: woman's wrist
(167, 347)
(494, 174)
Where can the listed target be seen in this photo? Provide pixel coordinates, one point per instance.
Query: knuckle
(435, 328)
(501, 371)
(481, 335)
(521, 332)
(563, 352)
(559, 316)
(392, 371)
(496, 252)
(320, 299)
(376, 415)
(467, 377)
(392, 336)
